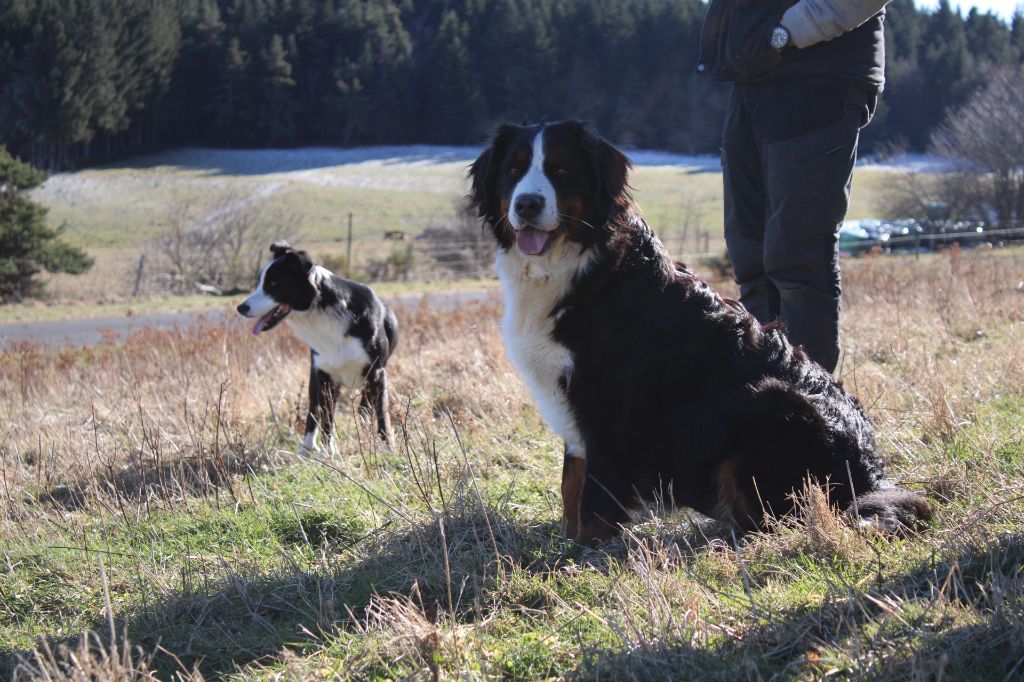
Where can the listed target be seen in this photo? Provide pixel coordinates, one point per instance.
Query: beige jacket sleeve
(815, 21)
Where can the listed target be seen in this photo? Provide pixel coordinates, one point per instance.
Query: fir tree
(27, 244)
(1017, 37)
(87, 80)
(451, 99)
(230, 102)
(987, 36)
(275, 85)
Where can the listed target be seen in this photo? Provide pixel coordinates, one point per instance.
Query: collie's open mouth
(534, 242)
(271, 319)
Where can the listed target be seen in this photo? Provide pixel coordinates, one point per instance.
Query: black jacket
(735, 46)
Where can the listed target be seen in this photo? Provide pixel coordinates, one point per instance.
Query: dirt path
(97, 330)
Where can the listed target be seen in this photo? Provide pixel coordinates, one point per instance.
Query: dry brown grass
(171, 457)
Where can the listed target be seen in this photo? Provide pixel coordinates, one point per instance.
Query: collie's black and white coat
(658, 385)
(350, 332)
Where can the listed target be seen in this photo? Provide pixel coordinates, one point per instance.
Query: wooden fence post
(348, 250)
(138, 276)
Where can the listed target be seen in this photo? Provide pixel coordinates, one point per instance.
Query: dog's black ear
(280, 248)
(611, 165)
(613, 175)
(615, 167)
(483, 175)
(299, 260)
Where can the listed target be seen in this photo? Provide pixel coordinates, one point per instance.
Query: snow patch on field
(910, 163)
(395, 168)
(278, 161)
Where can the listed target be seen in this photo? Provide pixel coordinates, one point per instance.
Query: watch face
(780, 37)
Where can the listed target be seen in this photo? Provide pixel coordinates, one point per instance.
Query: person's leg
(745, 209)
(808, 128)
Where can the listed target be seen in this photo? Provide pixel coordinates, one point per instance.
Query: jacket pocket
(745, 51)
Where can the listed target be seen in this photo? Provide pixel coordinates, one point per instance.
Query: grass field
(115, 212)
(121, 206)
(148, 496)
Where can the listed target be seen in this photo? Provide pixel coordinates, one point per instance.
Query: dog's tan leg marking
(574, 473)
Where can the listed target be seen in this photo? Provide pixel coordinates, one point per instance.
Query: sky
(1003, 8)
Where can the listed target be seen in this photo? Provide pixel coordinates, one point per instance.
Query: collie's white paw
(312, 448)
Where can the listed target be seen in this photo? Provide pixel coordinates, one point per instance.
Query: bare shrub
(986, 138)
(395, 266)
(984, 141)
(934, 198)
(460, 246)
(220, 249)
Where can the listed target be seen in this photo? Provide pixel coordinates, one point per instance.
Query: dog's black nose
(243, 309)
(529, 206)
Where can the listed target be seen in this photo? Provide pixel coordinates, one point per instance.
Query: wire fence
(439, 248)
(462, 250)
(431, 257)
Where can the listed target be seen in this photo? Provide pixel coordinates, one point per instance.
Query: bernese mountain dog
(351, 334)
(659, 386)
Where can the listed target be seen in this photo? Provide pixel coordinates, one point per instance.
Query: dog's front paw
(316, 450)
(595, 531)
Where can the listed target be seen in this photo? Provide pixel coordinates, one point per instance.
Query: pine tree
(229, 104)
(275, 118)
(946, 66)
(192, 105)
(451, 99)
(1017, 36)
(82, 80)
(988, 37)
(904, 28)
(27, 244)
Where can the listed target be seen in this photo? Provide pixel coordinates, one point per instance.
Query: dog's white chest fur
(532, 287)
(339, 355)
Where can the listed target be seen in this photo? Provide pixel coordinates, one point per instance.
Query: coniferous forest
(84, 81)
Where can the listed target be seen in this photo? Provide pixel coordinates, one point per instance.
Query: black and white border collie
(658, 385)
(350, 332)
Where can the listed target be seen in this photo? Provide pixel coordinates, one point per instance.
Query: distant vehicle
(904, 234)
(854, 239)
(963, 232)
(874, 228)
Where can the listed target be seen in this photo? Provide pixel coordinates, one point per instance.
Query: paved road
(93, 331)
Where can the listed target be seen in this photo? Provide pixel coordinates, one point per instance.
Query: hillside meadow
(150, 497)
(116, 212)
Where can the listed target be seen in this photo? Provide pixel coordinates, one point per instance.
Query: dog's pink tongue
(263, 321)
(531, 241)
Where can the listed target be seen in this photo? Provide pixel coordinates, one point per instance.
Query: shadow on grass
(155, 480)
(243, 619)
(864, 635)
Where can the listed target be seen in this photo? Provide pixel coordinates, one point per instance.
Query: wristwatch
(780, 38)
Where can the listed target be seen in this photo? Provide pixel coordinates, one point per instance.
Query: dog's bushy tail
(892, 509)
